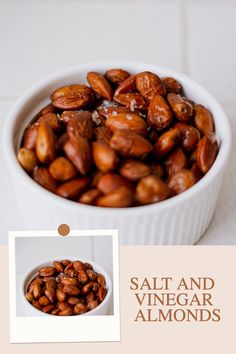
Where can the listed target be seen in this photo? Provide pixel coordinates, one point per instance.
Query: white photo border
(64, 329)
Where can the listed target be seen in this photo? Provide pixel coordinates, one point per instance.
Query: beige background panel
(217, 262)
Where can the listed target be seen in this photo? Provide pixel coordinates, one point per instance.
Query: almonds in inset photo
(80, 291)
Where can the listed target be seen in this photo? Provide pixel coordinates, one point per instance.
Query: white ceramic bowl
(101, 310)
(180, 220)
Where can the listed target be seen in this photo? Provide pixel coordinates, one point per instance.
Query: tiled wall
(33, 251)
(195, 37)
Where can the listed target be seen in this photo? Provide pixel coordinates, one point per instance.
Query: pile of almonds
(67, 288)
(127, 140)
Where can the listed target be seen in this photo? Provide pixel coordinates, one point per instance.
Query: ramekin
(181, 220)
(101, 310)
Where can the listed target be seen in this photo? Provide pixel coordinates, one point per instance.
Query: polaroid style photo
(64, 289)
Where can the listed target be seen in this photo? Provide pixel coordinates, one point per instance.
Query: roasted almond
(47, 271)
(171, 85)
(62, 169)
(182, 108)
(55, 311)
(100, 85)
(92, 304)
(52, 119)
(101, 294)
(181, 181)
(95, 287)
(27, 159)
(36, 304)
(29, 296)
(59, 267)
(48, 308)
(80, 308)
(111, 181)
(47, 109)
(72, 97)
(71, 290)
(91, 274)
(118, 198)
(43, 300)
(73, 189)
(66, 312)
(65, 262)
(36, 290)
(149, 85)
(80, 125)
(126, 120)
(132, 100)
(63, 306)
(82, 277)
(50, 282)
(203, 119)
(73, 300)
(90, 296)
(51, 294)
(90, 196)
(71, 272)
(79, 153)
(30, 136)
(105, 158)
(68, 266)
(117, 76)
(130, 144)
(42, 176)
(189, 136)
(103, 135)
(175, 161)
(151, 189)
(159, 113)
(69, 281)
(167, 142)
(134, 170)
(78, 266)
(128, 85)
(45, 143)
(87, 287)
(207, 151)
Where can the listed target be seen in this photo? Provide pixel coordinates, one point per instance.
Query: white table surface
(195, 37)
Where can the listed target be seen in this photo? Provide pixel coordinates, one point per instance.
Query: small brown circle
(63, 229)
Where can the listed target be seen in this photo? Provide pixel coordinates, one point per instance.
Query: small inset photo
(64, 288)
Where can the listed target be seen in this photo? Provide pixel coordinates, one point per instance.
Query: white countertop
(193, 37)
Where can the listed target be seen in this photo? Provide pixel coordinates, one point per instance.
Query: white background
(39, 37)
